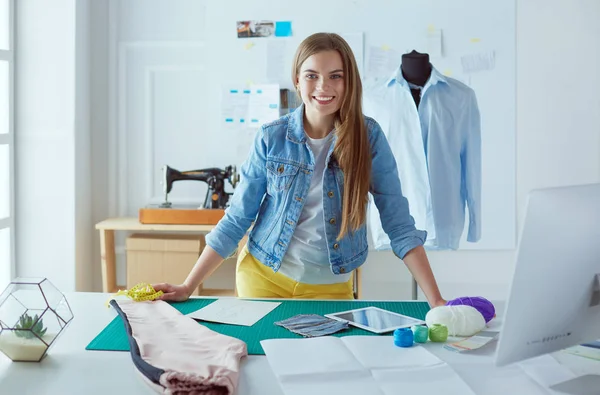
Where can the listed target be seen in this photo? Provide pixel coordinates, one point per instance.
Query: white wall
(558, 138)
(52, 149)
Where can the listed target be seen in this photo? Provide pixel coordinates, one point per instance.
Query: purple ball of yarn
(484, 306)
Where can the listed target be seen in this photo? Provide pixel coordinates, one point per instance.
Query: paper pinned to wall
(383, 61)
(276, 58)
(234, 105)
(249, 106)
(283, 29)
(434, 42)
(356, 43)
(477, 62)
(263, 105)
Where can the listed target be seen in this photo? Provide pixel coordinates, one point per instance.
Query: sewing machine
(215, 202)
(216, 197)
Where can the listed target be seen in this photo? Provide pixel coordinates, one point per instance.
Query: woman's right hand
(174, 293)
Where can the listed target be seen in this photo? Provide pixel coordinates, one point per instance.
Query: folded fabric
(176, 355)
(312, 325)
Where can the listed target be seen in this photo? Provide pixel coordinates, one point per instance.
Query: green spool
(438, 333)
(421, 332)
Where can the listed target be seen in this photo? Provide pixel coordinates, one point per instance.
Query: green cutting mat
(114, 337)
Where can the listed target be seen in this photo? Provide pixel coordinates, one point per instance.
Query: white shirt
(307, 257)
(438, 151)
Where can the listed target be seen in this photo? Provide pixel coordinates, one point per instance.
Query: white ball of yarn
(461, 320)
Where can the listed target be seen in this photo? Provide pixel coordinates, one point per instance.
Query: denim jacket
(274, 181)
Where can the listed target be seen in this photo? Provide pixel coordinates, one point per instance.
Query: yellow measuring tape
(140, 292)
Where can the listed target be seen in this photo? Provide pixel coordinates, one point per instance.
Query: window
(7, 250)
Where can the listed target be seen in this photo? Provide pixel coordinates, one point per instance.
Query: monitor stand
(583, 385)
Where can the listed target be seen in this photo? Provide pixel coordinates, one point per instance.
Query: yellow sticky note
(385, 47)
(475, 40)
(249, 82)
(447, 72)
(248, 45)
(430, 28)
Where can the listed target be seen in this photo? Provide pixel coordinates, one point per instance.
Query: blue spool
(421, 333)
(403, 337)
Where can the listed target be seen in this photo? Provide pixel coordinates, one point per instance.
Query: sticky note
(385, 47)
(283, 29)
(475, 40)
(248, 45)
(447, 72)
(430, 28)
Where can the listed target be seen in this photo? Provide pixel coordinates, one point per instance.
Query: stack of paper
(359, 365)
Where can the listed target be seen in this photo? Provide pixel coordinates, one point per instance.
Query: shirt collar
(434, 78)
(295, 130)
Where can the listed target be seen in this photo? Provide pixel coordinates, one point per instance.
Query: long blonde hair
(352, 149)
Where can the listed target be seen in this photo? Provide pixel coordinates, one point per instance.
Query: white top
(307, 258)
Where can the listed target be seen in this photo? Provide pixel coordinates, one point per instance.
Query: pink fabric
(196, 360)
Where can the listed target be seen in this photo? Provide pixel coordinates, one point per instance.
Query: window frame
(9, 139)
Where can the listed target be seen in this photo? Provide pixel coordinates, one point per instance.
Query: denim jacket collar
(295, 132)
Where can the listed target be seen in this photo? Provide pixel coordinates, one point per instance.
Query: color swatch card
(472, 343)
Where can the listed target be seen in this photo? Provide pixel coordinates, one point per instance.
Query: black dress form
(416, 70)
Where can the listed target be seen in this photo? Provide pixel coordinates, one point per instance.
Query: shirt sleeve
(244, 203)
(386, 189)
(471, 168)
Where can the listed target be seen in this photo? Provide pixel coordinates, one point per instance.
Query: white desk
(70, 369)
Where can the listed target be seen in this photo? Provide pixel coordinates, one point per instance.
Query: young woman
(304, 190)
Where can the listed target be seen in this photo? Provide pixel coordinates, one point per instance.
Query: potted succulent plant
(30, 339)
(32, 315)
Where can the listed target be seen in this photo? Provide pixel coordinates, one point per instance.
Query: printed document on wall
(263, 106)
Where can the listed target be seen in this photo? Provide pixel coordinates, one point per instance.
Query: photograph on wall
(253, 29)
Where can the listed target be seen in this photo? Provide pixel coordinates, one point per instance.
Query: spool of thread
(438, 333)
(421, 333)
(403, 337)
(484, 306)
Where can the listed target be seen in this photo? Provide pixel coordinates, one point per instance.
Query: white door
(7, 221)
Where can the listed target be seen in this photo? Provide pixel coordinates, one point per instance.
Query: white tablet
(375, 320)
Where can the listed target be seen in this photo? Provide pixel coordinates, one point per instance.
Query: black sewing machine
(216, 197)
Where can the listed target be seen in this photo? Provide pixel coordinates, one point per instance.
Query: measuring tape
(139, 293)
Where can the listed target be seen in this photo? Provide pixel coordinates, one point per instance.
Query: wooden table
(107, 230)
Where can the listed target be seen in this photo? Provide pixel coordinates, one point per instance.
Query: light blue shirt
(438, 151)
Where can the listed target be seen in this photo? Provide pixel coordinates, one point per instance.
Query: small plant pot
(33, 314)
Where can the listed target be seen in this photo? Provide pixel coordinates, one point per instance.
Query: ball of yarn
(484, 306)
(438, 333)
(420, 333)
(403, 337)
(461, 320)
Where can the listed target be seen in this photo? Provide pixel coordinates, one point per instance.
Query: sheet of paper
(477, 62)
(546, 371)
(357, 365)
(379, 352)
(234, 105)
(234, 311)
(438, 379)
(283, 29)
(276, 58)
(356, 43)
(434, 43)
(263, 104)
(383, 61)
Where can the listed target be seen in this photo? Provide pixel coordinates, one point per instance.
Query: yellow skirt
(255, 280)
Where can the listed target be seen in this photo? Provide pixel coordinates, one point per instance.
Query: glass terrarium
(33, 313)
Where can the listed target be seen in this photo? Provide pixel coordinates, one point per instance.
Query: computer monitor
(554, 298)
